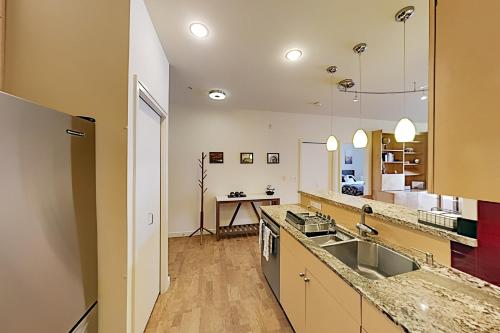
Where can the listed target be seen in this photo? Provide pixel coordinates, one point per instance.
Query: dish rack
(439, 218)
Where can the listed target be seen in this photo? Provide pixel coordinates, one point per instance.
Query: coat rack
(203, 189)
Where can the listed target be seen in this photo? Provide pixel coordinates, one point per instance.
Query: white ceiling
(244, 53)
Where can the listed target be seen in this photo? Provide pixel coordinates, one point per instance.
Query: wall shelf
(385, 143)
(412, 174)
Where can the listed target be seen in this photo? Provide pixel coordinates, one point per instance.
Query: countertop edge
(452, 236)
(346, 274)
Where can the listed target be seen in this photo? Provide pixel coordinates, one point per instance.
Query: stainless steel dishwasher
(271, 267)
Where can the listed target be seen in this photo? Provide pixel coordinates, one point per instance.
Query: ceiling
(244, 54)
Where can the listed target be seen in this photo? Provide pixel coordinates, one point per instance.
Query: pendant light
(405, 129)
(331, 144)
(360, 139)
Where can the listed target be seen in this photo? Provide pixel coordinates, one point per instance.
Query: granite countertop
(431, 299)
(391, 213)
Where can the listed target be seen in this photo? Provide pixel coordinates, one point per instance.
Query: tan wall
(73, 56)
(399, 235)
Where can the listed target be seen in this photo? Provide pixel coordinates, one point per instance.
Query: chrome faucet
(363, 228)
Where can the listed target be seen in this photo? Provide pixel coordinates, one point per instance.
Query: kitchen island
(431, 299)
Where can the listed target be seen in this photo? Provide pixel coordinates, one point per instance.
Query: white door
(314, 167)
(147, 214)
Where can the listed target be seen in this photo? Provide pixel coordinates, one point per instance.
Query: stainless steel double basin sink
(368, 259)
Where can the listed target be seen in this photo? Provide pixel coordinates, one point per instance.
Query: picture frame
(216, 157)
(273, 158)
(246, 158)
(348, 159)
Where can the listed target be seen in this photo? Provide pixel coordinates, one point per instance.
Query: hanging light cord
(404, 68)
(331, 104)
(361, 89)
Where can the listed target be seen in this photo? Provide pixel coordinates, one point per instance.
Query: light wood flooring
(216, 287)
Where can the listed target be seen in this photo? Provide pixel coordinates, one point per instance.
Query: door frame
(141, 92)
(333, 163)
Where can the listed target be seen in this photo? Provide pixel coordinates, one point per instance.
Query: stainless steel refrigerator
(48, 232)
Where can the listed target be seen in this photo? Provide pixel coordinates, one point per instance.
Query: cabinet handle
(302, 274)
(307, 279)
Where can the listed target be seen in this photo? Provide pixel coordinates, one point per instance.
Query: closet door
(147, 211)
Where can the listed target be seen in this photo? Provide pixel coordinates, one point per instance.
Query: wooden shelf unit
(404, 161)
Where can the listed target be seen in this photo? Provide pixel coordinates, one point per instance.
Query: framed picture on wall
(246, 158)
(348, 158)
(273, 158)
(216, 157)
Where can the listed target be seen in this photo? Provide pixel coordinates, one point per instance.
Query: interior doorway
(316, 167)
(353, 169)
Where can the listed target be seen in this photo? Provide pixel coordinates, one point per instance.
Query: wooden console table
(242, 229)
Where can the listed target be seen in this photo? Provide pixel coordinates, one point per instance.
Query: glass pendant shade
(332, 143)
(360, 139)
(405, 131)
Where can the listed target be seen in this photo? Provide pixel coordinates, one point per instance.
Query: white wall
(233, 131)
(148, 61)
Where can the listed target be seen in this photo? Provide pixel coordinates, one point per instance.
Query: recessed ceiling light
(198, 30)
(217, 94)
(293, 55)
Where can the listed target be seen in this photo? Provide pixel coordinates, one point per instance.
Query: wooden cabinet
(324, 311)
(374, 321)
(292, 286)
(464, 81)
(314, 298)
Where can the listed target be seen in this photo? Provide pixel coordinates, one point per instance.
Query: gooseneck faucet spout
(363, 228)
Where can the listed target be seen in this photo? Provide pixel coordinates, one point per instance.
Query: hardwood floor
(216, 287)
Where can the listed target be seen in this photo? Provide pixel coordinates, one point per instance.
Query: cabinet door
(292, 285)
(374, 321)
(324, 313)
(464, 112)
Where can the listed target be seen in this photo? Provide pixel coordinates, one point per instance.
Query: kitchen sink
(371, 260)
(330, 239)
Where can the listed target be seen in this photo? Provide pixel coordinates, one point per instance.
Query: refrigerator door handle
(150, 218)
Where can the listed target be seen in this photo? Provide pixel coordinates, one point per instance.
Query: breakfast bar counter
(431, 299)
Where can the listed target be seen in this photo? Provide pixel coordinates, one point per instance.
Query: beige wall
(73, 56)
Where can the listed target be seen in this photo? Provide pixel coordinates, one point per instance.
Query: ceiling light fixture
(405, 129)
(198, 30)
(424, 94)
(355, 99)
(217, 94)
(331, 144)
(293, 55)
(422, 89)
(360, 139)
